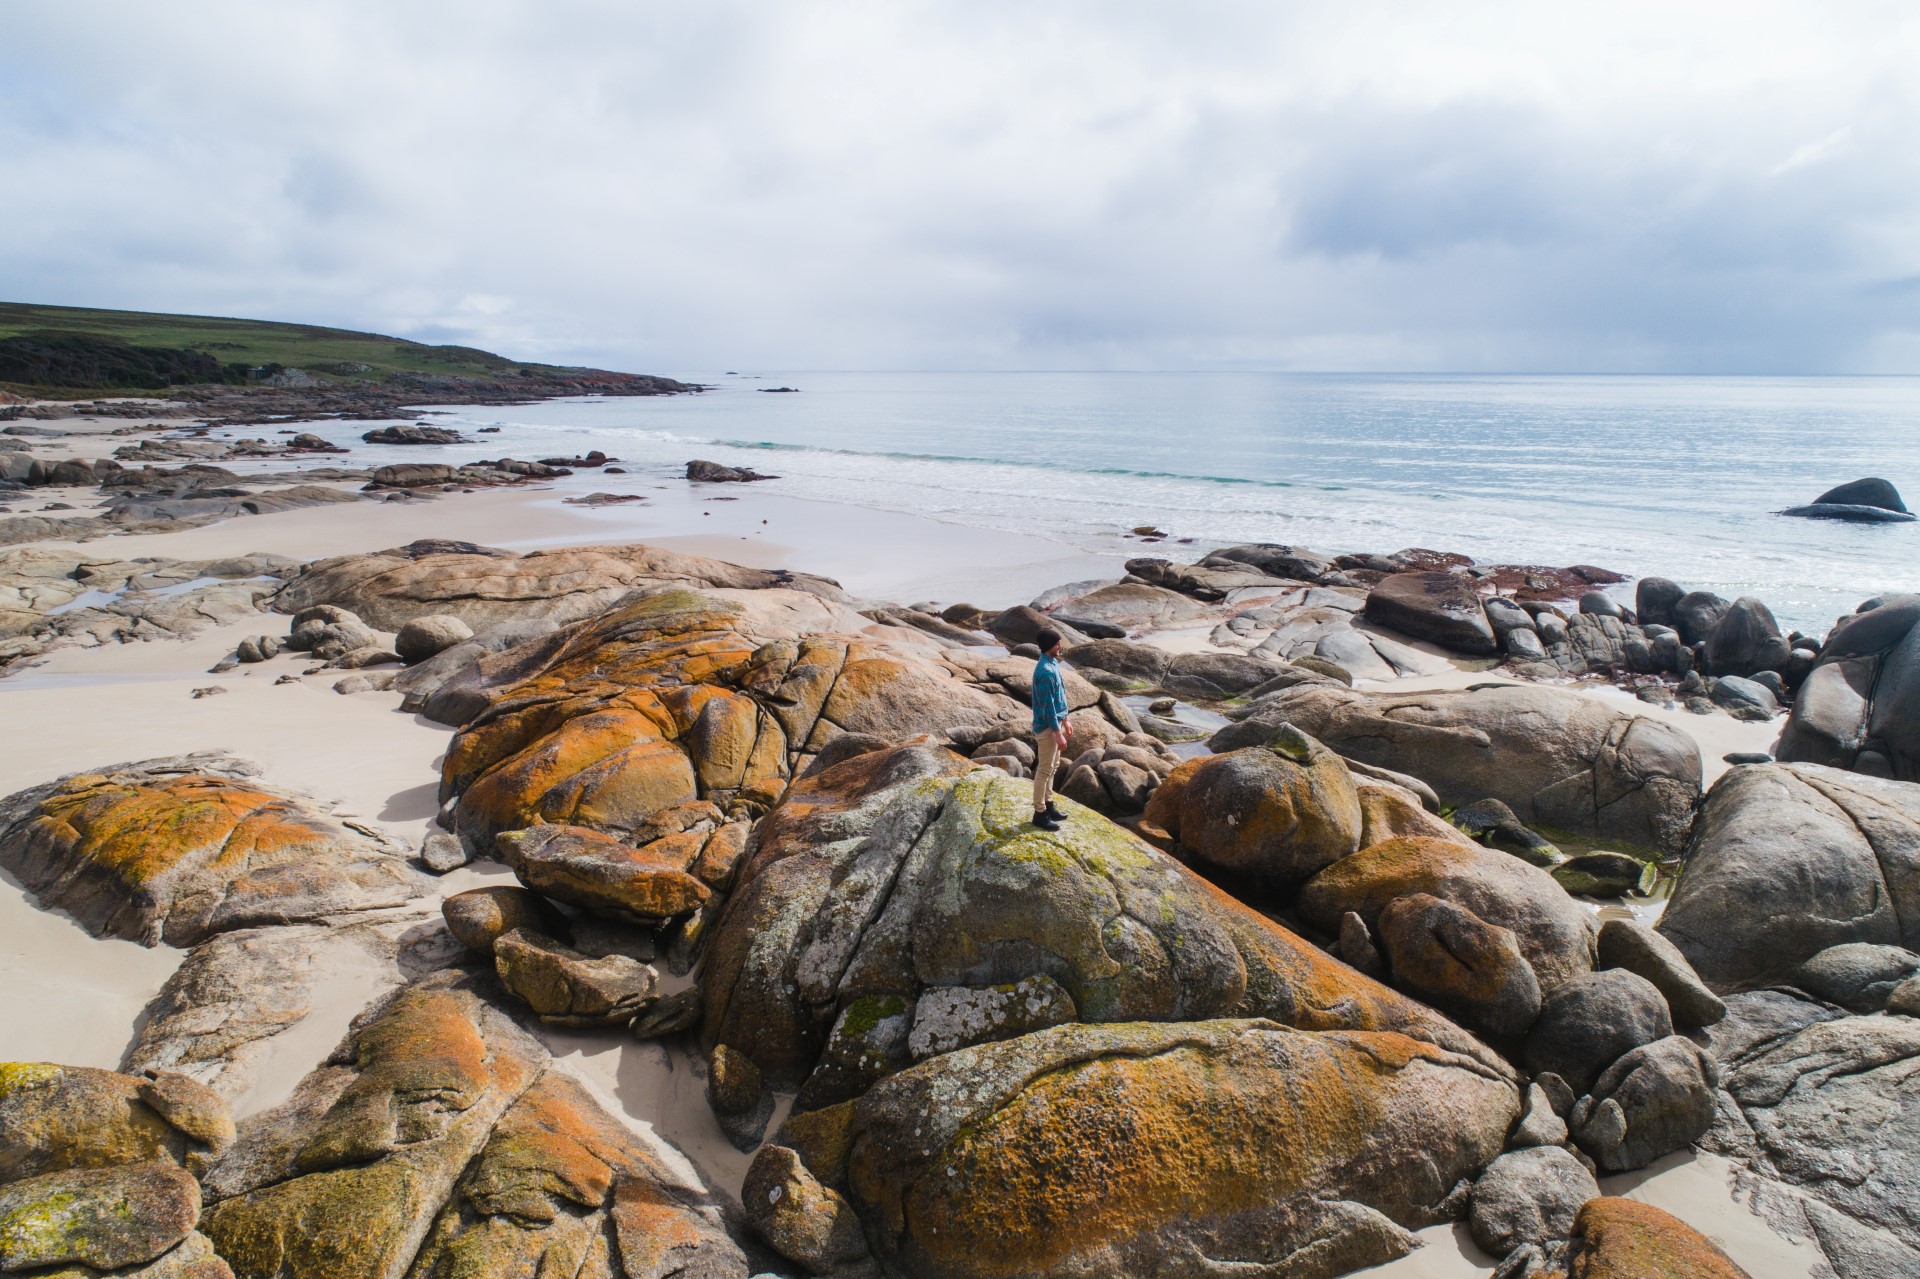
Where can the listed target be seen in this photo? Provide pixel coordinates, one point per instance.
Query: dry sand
(65, 996)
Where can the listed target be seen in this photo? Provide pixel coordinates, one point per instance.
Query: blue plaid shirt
(1049, 695)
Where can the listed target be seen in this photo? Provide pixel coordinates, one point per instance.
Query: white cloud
(848, 183)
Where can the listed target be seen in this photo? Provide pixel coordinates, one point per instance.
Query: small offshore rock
(705, 472)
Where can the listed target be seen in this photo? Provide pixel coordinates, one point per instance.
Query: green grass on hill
(334, 353)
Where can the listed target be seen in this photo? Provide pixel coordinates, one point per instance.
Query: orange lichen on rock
(432, 1068)
(1264, 815)
(667, 698)
(903, 871)
(1089, 1149)
(140, 832)
(1553, 931)
(1626, 1239)
(173, 850)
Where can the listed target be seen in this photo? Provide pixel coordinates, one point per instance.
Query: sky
(988, 184)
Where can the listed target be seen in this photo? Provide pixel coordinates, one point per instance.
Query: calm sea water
(1670, 475)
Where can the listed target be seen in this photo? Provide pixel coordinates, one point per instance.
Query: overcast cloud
(987, 184)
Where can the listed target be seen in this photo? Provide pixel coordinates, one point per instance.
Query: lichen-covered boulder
(563, 1188)
(1469, 969)
(75, 1118)
(672, 698)
(1112, 1149)
(1551, 929)
(904, 870)
(1390, 811)
(805, 1222)
(373, 1142)
(104, 1218)
(1563, 763)
(1789, 860)
(479, 917)
(607, 875)
(1626, 1239)
(435, 1141)
(1267, 815)
(568, 988)
(174, 850)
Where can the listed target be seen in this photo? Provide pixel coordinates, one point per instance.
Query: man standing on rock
(1051, 732)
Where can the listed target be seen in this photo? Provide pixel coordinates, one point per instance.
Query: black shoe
(1046, 821)
(1053, 810)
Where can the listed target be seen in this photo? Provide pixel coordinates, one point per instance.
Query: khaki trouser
(1043, 767)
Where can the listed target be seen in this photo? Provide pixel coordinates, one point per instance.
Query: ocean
(1676, 476)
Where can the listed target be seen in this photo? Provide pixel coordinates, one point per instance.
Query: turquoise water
(1670, 475)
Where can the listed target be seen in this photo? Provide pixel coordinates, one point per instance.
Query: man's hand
(1064, 732)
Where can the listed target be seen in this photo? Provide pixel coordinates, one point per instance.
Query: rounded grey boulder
(1858, 975)
(1859, 707)
(1590, 1021)
(1871, 491)
(1558, 760)
(426, 637)
(1788, 860)
(1631, 945)
(1654, 599)
(1442, 608)
(1656, 1099)
(1528, 1196)
(1746, 639)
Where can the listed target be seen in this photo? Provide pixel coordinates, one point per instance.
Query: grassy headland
(63, 352)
